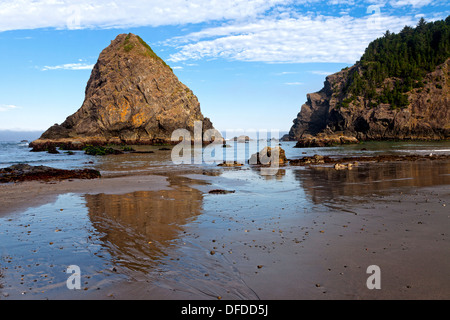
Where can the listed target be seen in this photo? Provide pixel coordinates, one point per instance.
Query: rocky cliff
(398, 90)
(132, 97)
(426, 117)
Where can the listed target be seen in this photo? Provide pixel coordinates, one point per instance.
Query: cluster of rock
(242, 139)
(319, 159)
(316, 159)
(339, 163)
(230, 164)
(350, 162)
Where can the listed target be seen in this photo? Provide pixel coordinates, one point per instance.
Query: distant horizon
(19, 135)
(31, 135)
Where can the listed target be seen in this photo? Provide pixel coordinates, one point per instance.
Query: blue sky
(250, 62)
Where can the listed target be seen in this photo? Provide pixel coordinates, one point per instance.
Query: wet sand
(405, 235)
(307, 233)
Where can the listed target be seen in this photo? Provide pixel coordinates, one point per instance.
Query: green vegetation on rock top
(128, 46)
(405, 57)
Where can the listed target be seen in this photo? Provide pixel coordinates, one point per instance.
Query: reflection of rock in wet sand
(275, 174)
(136, 226)
(143, 233)
(326, 183)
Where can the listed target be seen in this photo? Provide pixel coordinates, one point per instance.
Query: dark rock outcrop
(354, 161)
(426, 117)
(221, 191)
(25, 172)
(132, 97)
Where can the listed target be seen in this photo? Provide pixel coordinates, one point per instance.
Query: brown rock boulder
(264, 156)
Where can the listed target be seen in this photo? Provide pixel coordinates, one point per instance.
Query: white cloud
(79, 14)
(299, 39)
(273, 31)
(321, 73)
(7, 107)
(414, 3)
(341, 2)
(69, 66)
(294, 83)
(285, 73)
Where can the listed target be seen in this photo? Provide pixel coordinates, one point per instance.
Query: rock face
(426, 117)
(132, 97)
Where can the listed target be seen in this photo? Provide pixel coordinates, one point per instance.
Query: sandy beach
(307, 233)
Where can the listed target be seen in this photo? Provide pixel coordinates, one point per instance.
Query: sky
(251, 63)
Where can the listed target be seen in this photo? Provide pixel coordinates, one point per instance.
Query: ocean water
(12, 153)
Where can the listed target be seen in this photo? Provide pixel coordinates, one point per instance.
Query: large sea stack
(132, 97)
(399, 90)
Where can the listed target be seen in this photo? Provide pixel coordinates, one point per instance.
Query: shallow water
(185, 242)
